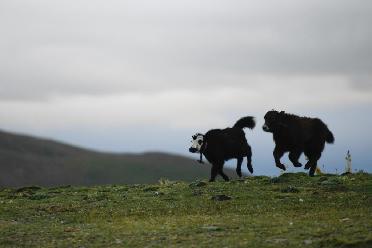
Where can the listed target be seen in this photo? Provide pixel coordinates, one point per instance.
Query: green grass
(292, 210)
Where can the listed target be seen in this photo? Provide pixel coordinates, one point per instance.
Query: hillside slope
(26, 160)
(293, 210)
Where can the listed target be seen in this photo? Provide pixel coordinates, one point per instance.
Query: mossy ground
(292, 210)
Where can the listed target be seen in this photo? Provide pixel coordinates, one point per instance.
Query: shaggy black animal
(220, 145)
(296, 135)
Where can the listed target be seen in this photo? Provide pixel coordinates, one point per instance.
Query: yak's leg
(278, 153)
(224, 176)
(249, 159)
(309, 155)
(312, 170)
(312, 163)
(313, 153)
(239, 166)
(294, 156)
(214, 172)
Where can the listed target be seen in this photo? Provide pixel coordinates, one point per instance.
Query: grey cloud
(362, 82)
(87, 47)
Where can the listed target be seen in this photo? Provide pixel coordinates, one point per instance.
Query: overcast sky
(145, 75)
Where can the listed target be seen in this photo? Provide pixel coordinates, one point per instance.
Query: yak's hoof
(281, 166)
(307, 166)
(298, 164)
(211, 180)
(250, 168)
(239, 172)
(312, 171)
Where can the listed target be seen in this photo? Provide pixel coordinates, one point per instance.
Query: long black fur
(221, 145)
(297, 135)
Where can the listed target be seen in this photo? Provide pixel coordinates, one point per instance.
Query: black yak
(220, 145)
(296, 135)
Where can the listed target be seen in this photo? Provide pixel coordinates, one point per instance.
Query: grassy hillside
(292, 210)
(26, 160)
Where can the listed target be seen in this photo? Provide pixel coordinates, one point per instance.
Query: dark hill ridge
(26, 160)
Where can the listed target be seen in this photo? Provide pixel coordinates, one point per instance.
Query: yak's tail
(248, 122)
(329, 138)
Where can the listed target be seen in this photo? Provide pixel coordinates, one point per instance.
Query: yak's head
(196, 143)
(273, 121)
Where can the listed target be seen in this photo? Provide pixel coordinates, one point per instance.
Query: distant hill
(26, 160)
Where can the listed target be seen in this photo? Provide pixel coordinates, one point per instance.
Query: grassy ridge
(292, 210)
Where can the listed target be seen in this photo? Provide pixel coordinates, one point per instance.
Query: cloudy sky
(134, 76)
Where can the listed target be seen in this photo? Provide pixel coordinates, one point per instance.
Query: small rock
(198, 184)
(201, 184)
(290, 189)
(345, 219)
(308, 242)
(301, 200)
(212, 228)
(221, 198)
(71, 229)
(277, 241)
